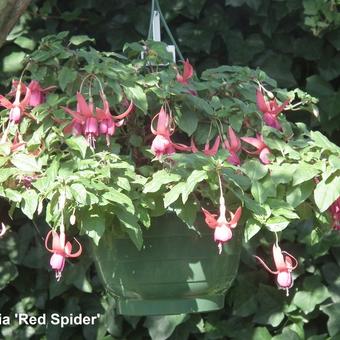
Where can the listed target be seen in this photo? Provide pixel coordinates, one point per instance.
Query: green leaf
(255, 170)
(304, 172)
(326, 192)
(323, 142)
(251, 229)
(25, 42)
(188, 122)
(79, 39)
(270, 311)
(282, 173)
(172, 195)
(261, 190)
(137, 95)
(160, 327)
(25, 163)
(195, 177)
(93, 223)
(13, 62)
(120, 198)
(78, 143)
(312, 294)
(5, 173)
(333, 312)
(334, 161)
(29, 203)
(298, 194)
(13, 195)
(130, 224)
(277, 223)
(160, 178)
(79, 193)
(66, 76)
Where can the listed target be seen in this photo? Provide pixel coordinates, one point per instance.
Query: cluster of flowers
(87, 120)
(162, 145)
(91, 122)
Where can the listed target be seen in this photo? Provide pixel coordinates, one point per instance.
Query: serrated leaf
(79, 39)
(323, 142)
(172, 195)
(277, 223)
(255, 170)
(251, 229)
(29, 203)
(188, 122)
(326, 192)
(195, 177)
(137, 95)
(304, 172)
(130, 224)
(93, 223)
(160, 178)
(79, 192)
(25, 163)
(298, 194)
(120, 198)
(78, 143)
(66, 76)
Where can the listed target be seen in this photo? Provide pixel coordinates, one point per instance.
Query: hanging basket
(177, 271)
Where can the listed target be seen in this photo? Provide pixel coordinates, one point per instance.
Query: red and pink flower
(18, 107)
(61, 251)
(262, 149)
(208, 151)
(162, 144)
(334, 210)
(223, 227)
(285, 263)
(270, 109)
(233, 145)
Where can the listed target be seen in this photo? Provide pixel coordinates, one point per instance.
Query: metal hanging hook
(156, 18)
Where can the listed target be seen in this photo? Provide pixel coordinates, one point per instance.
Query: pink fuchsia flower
(108, 122)
(37, 92)
(262, 149)
(270, 109)
(18, 107)
(208, 151)
(233, 145)
(221, 225)
(334, 210)
(284, 264)
(188, 72)
(162, 143)
(84, 121)
(60, 251)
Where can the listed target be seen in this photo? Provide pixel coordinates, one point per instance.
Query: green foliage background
(297, 43)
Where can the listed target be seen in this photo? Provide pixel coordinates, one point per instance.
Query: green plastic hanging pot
(177, 271)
